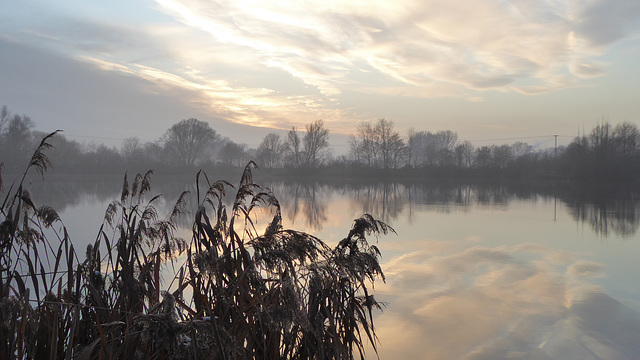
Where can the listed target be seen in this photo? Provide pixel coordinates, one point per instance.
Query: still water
(474, 272)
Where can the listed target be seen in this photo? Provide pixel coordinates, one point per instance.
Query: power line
(96, 137)
(521, 138)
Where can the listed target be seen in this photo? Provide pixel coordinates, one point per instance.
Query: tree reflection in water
(607, 209)
(612, 209)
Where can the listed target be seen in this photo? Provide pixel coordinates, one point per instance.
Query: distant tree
(464, 154)
(104, 159)
(626, 137)
(270, 151)
(363, 146)
(378, 145)
(427, 148)
(68, 156)
(131, 148)
(5, 114)
(520, 149)
(391, 146)
(501, 155)
(16, 140)
(439, 147)
(315, 143)
(154, 152)
(189, 139)
(293, 148)
(600, 139)
(415, 147)
(483, 157)
(607, 152)
(233, 154)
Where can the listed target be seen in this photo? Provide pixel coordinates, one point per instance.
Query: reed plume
(231, 292)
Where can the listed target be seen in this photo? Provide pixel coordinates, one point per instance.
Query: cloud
(299, 61)
(586, 69)
(521, 302)
(486, 44)
(606, 22)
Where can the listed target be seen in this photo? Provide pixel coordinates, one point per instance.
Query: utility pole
(556, 147)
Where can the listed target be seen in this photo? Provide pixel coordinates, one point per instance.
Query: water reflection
(528, 301)
(607, 210)
(478, 271)
(306, 200)
(385, 201)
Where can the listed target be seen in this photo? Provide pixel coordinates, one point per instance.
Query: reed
(233, 292)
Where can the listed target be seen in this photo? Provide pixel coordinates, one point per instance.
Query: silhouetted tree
(4, 116)
(464, 154)
(363, 146)
(607, 152)
(378, 145)
(293, 148)
(189, 139)
(414, 147)
(233, 154)
(501, 156)
(483, 156)
(626, 138)
(316, 143)
(15, 139)
(270, 151)
(69, 156)
(391, 145)
(427, 148)
(131, 148)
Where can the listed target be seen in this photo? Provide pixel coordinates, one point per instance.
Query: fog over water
(475, 271)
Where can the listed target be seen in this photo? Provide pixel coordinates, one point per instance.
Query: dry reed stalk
(282, 294)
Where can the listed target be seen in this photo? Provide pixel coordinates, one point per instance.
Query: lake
(481, 271)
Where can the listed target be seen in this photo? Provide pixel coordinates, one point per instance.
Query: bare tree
(464, 154)
(4, 116)
(316, 143)
(189, 139)
(627, 139)
(270, 150)
(483, 156)
(293, 147)
(16, 139)
(390, 144)
(378, 145)
(233, 154)
(415, 147)
(363, 145)
(501, 155)
(131, 148)
(520, 149)
(439, 147)
(425, 147)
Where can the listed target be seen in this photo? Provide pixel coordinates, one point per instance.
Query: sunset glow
(531, 68)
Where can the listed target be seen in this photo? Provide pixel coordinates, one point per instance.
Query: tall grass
(233, 291)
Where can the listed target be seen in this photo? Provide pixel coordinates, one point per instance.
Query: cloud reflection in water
(520, 302)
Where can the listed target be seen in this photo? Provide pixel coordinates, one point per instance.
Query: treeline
(607, 152)
(184, 145)
(188, 144)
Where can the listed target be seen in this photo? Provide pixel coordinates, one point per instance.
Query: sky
(491, 70)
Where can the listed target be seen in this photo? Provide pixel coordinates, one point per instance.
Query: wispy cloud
(277, 63)
(520, 45)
